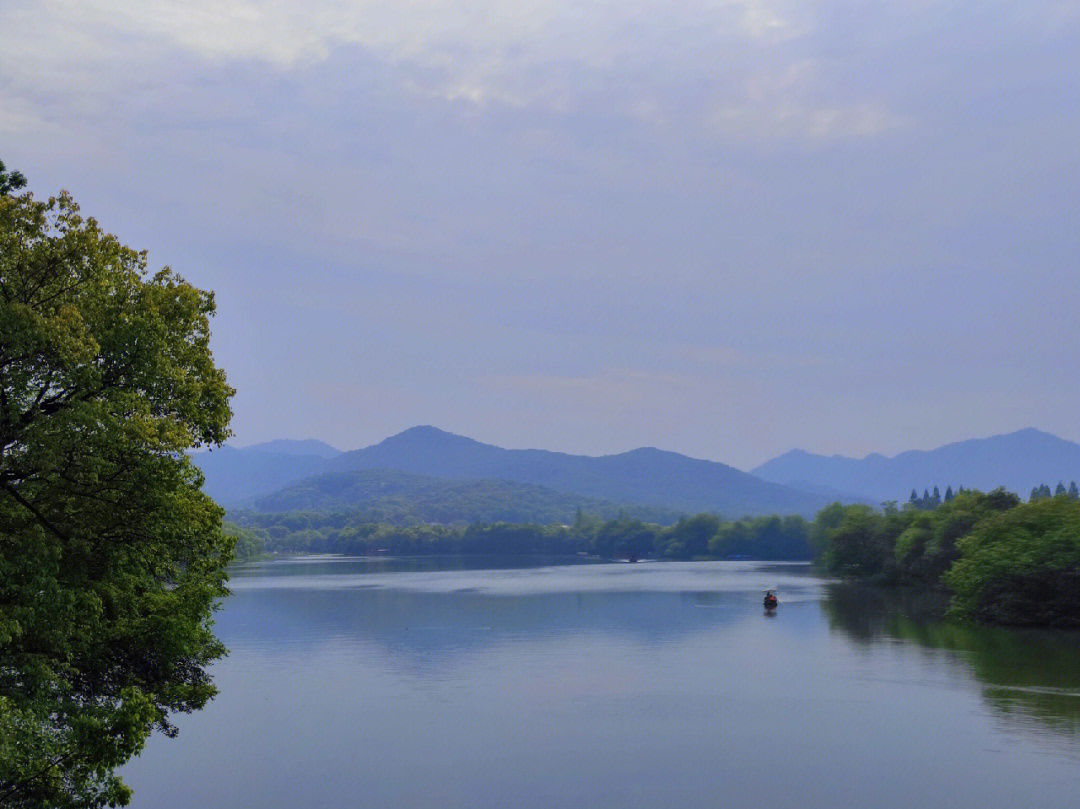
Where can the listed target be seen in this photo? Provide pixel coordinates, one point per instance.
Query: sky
(722, 227)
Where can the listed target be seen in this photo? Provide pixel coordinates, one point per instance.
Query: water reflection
(421, 613)
(1028, 676)
(429, 684)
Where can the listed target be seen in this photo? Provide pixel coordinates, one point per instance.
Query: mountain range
(417, 466)
(1018, 461)
(244, 478)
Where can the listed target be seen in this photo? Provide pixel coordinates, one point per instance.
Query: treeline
(1043, 492)
(704, 536)
(933, 499)
(1002, 559)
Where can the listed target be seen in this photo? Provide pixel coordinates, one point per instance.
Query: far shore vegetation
(1002, 560)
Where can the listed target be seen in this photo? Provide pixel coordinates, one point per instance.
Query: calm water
(405, 683)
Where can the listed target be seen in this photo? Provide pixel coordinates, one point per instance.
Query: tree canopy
(111, 557)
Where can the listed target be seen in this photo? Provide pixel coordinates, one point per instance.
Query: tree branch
(41, 518)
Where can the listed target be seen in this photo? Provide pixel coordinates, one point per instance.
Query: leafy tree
(927, 546)
(10, 180)
(1022, 566)
(111, 557)
(853, 541)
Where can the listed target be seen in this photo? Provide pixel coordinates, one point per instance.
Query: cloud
(596, 224)
(646, 60)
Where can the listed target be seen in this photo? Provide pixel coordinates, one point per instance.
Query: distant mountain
(1018, 461)
(289, 446)
(386, 495)
(236, 475)
(649, 477)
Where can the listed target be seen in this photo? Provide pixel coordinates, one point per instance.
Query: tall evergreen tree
(1074, 492)
(1060, 490)
(949, 494)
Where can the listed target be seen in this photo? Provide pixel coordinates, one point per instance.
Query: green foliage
(1022, 566)
(111, 558)
(10, 180)
(248, 544)
(909, 546)
(1005, 561)
(927, 546)
(704, 536)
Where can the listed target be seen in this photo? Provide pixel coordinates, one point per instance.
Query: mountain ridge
(1018, 461)
(644, 476)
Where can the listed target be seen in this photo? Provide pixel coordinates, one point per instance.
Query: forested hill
(390, 496)
(644, 476)
(1018, 461)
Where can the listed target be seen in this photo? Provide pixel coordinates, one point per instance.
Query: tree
(1022, 566)
(949, 494)
(1074, 492)
(111, 557)
(935, 499)
(10, 180)
(1060, 490)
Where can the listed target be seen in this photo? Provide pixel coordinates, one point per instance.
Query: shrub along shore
(1003, 560)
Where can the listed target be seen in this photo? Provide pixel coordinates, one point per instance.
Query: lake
(502, 683)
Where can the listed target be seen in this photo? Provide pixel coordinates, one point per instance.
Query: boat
(771, 600)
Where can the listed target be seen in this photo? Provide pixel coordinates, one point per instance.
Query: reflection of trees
(1026, 674)
(425, 631)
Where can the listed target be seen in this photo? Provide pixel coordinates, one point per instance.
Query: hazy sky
(722, 228)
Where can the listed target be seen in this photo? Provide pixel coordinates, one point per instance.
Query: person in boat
(770, 598)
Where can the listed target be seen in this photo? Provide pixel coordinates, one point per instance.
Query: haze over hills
(644, 476)
(797, 482)
(386, 495)
(290, 446)
(1018, 461)
(234, 476)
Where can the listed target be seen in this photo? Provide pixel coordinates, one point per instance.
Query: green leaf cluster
(1005, 561)
(703, 536)
(1022, 566)
(111, 557)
